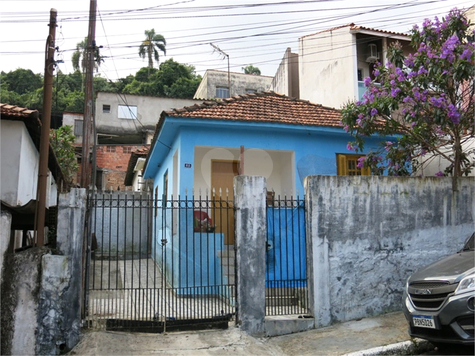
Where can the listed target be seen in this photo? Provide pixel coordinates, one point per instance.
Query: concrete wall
(148, 112)
(366, 235)
(120, 222)
(40, 291)
(240, 83)
(69, 118)
(286, 79)
(251, 233)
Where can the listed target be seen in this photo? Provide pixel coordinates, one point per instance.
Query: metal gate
(158, 264)
(286, 274)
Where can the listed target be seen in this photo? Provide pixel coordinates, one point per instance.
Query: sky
(249, 32)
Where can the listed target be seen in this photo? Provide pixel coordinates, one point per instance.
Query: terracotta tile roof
(16, 111)
(263, 107)
(353, 27)
(329, 29)
(140, 152)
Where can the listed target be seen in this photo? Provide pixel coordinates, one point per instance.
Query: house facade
(20, 131)
(201, 148)
(197, 151)
(222, 84)
(333, 63)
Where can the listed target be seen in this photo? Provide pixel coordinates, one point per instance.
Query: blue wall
(315, 148)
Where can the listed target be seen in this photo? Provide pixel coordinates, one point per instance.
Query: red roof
(264, 107)
(353, 27)
(16, 111)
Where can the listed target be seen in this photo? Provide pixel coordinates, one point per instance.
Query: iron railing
(160, 263)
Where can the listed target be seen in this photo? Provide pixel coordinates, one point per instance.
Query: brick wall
(113, 161)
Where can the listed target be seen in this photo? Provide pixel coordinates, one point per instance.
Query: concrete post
(317, 259)
(251, 231)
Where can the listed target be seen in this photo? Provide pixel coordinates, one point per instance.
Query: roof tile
(265, 107)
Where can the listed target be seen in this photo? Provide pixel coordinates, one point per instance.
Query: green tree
(79, 59)
(250, 69)
(62, 143)
(22, 81)
(153, 43)
(425, 100)
(172, 79)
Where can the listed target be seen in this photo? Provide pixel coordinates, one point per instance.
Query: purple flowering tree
(425, 100)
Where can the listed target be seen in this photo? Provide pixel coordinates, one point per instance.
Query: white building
(215, 84)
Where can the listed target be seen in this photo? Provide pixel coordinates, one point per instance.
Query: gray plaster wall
(19, 301)
(41, 287)
(149, 109)
(121, 222)
(59, 315)
(286, 79)
(251, 231)
(366, 235)
(5, 231)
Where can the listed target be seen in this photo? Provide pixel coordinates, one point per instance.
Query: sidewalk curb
(400, 348)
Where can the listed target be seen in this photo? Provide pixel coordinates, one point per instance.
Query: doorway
(222, 175)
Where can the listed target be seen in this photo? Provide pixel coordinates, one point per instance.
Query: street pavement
(382, 335)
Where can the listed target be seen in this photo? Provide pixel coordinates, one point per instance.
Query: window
(347, 165)
(110, 149)
(78, 127)
(127, 149)
(360, 75)
(106, 109)
(222, 92)
(127, 112)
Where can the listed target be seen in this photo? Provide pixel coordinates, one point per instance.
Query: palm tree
(150, 46)
(79, 58)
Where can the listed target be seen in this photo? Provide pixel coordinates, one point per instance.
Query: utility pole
(88, 127)
(45, 127)
(226, 56)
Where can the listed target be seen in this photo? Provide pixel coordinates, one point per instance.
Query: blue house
(197, 151)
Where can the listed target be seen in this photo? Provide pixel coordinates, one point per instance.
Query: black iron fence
(286, 274)
(158, 264)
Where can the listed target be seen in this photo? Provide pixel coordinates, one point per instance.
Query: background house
(20, 131)
(124, 123)
(215, 84)
(332, 64)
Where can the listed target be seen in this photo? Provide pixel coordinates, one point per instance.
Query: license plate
(423, 321)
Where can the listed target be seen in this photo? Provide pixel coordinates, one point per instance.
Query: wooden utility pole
(45, 127)
(88, 127)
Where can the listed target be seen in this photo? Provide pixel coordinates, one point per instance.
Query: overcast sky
(253, 32)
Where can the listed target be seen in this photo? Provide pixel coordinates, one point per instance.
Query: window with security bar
(347, 165)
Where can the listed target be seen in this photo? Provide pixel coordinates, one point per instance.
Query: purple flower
(453, 114)
(374, 112)
(350, 147)
(439, 174)
(467, 54)
(367, 82)
(376, 72)
(361, 162)
(394, 92)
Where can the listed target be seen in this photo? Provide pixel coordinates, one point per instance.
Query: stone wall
(366, 235)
